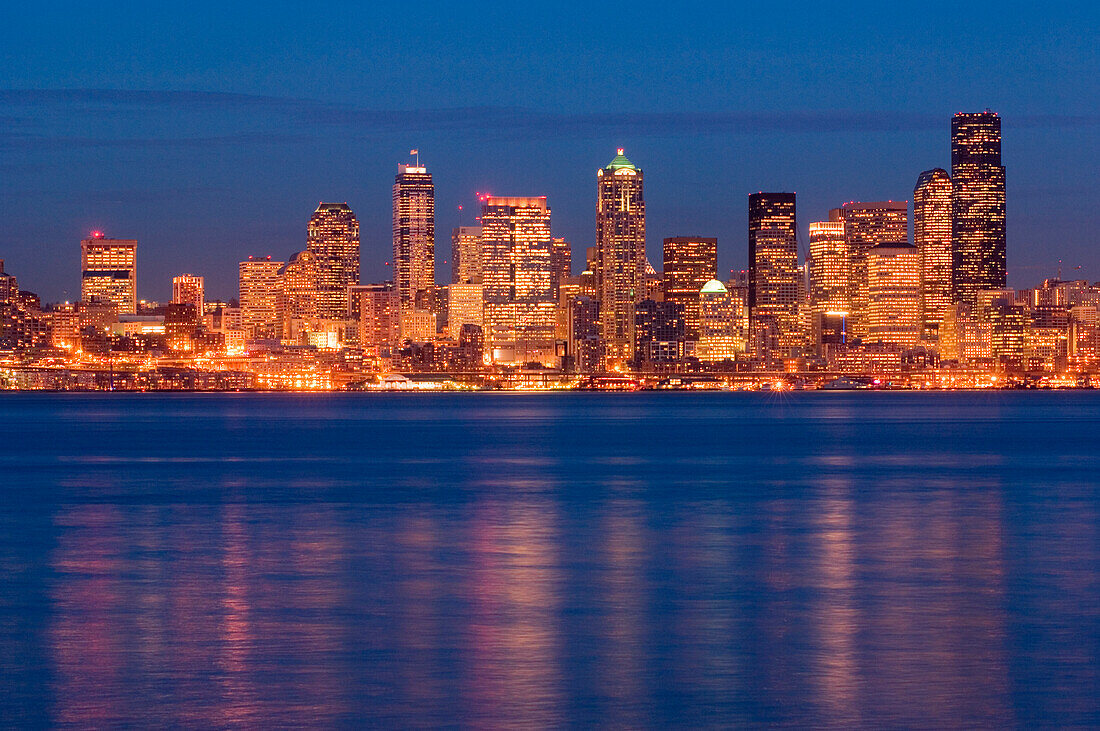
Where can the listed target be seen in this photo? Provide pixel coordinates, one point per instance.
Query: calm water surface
(841, 559)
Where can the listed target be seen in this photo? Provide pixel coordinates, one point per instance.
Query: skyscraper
(374, 306)
(773, 268)
(932, 237)
(828, 267)
(867, 225)
(519, 309)
(561, 264)
(466, 255)
(298, 296)
(893, 292)
(333, 237)
(413, 235)
(108, 272)
(189, 289)
(689, 263)
(620, 244)
(776, 274)
(774, 211)
(258, 291)
(978, 205)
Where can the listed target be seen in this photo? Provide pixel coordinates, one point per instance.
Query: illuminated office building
(689, 263)
(866, 225)
(774, 285)
(932, 237)
(374, 307)
(108, 272)
(189, 289)
(893, 294)
(333, 237)
(413, 235)
(465, 306)
(466, 255)
(774, 212)
(828, 267)
(258, 291)
(620, 244)
(519, 305)
(298, 297)
(561, 264)
(978, 205)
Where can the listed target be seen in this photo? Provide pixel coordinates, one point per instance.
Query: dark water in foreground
(508, 560)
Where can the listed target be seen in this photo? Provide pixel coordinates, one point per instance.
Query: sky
(210, 132)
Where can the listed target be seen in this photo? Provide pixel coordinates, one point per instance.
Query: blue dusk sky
(210, 131)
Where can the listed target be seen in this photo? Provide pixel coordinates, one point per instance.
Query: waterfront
(639, 559)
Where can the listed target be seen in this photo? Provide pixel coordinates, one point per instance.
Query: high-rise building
(893, 294)
(413, 234)
(108, 272)
(519, 304)
(466, 255)
(866, 225)
(689, 263)
(465, 306)
(775, 212)
(828, 267)
(932, 237)
(298, 296)
(333, 237)
(620, 244)
(978, 205)
(374, 306)
(561, 264)
(258, 290)
(773, 268)
(189, 289)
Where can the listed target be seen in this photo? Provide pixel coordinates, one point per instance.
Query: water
(827, 559)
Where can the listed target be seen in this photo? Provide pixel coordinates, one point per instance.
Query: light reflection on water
(862, 560)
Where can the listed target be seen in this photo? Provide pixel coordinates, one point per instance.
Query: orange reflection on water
(513, 672)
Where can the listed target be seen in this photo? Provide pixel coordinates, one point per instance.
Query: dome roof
(714, 287)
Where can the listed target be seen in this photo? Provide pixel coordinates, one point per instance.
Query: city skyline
(280, 240)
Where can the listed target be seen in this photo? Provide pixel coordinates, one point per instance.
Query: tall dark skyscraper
(978, 205)
(620, 243)
(333, 237)
(774, 212)
(413, 235)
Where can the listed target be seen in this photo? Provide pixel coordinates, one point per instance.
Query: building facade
(620, 245)
(519, 307)
(932, 237)
(866, 225)
(258, 292)
(108, 272)
(978, 205)
(774, 212)
(413, 235)
(689, 263)
(893, 295)
(466, 255)
(332, 236)
(189, 289)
